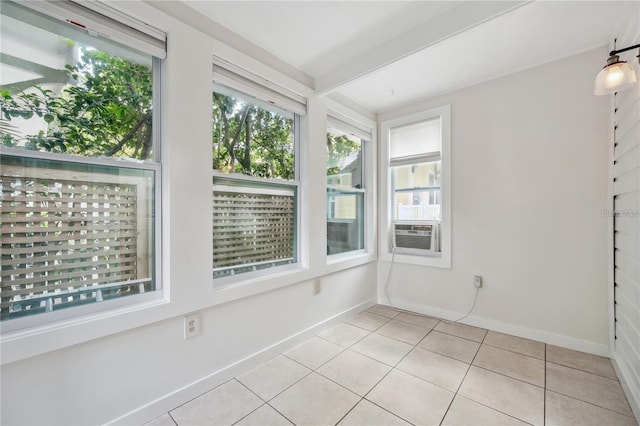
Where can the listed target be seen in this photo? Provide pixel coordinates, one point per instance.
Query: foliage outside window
(345, 192)
(75, 229)
(254, 191)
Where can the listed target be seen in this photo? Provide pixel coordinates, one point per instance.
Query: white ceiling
(382, 54)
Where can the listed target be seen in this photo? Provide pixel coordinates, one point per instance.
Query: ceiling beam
(454, 21)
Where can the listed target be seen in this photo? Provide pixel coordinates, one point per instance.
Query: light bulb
(617, 75)
(614, 75)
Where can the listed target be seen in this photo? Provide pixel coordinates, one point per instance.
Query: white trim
(633, 397)
(153, 409)
(369, 175)
(600, 349)
(386, 204)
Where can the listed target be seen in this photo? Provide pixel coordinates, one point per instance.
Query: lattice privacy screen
(252, 228)
(70, 238)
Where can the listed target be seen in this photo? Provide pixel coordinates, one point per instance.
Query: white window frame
(231, 80)
(123, 29)
(337, 125)
(439, 260)
(366, 130)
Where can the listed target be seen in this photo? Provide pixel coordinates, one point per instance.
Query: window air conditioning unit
(416, 237)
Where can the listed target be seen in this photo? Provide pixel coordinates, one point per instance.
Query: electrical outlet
(317, 287)
(191, 326)
(477, 281)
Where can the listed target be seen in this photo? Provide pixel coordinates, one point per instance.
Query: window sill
(229, 289)
(339, 258)
(37, 340)
(440, 260)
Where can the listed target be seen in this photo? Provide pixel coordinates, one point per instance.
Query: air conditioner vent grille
(420, 236)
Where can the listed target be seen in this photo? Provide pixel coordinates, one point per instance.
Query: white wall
(135, 365)
(529, 190)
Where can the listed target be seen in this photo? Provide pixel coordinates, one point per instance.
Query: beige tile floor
(391, 367)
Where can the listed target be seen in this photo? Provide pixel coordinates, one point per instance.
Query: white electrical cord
(386, 284)
(475, 297)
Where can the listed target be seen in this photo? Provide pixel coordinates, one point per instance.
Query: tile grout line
(393, 367)
(516, 352)
(343, 349)
(544, 400)
(349, 410)
(455, 394)
(592, 404)
(616, 379)
(484, 405)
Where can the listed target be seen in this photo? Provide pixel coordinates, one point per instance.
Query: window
(418, 174)
(345, 189)
(79, 165)
(416, 164)
(255, 184)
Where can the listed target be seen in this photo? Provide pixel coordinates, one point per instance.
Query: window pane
(415, 139)
(252, 140)
(345, 221)
(68, 92)
(73, 233)
(253, 226)
(416, 190)
(344, 160)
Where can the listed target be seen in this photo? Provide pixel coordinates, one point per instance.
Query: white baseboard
(633, 394)
(507, 328)
(168, 402)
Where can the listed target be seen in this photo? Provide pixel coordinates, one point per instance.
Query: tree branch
(128, 136)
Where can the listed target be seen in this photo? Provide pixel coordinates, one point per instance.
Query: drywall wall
(133, 366)
(529, 188)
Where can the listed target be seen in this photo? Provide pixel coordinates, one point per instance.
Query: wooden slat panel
(52, 209)
(66, 268)
(59, 234)
(64, 195)
(74, 255)
(21, 228)
(250, 228)
(50, 237)
(82, 273)
(53, 285)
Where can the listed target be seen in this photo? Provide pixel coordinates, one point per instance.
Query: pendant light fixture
(616, 75)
